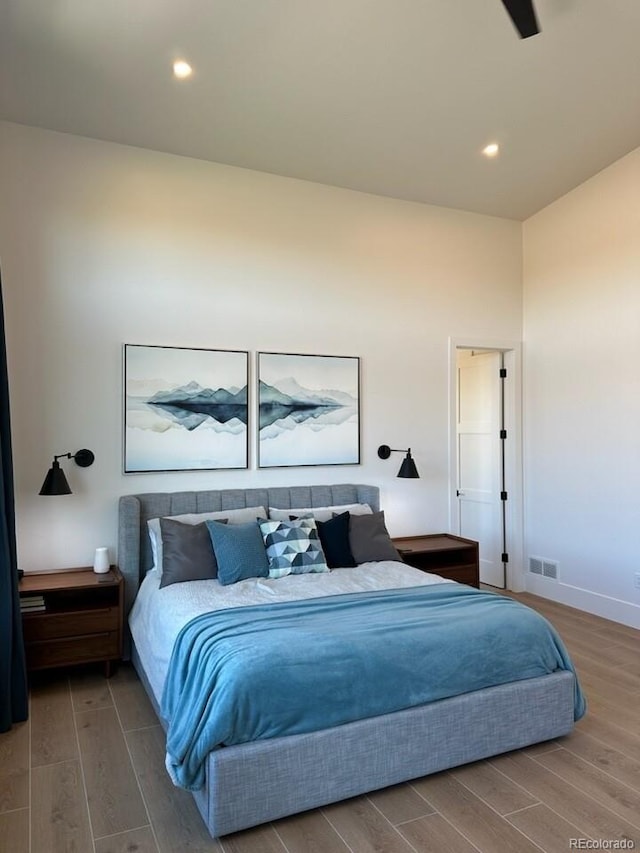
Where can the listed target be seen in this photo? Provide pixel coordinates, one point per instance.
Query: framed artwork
(184, 409)
(308, 410)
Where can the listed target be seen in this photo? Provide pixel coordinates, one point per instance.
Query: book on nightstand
(32, 603)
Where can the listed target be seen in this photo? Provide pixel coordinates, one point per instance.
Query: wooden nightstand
(443, 554)
(81, 621)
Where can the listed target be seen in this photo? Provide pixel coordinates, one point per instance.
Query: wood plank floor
(86, 774)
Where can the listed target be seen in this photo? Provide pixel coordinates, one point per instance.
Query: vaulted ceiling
(394, 97)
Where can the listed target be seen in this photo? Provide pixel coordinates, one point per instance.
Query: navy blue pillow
(239, 551)
(334, 538)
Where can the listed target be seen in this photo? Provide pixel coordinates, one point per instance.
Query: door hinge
(503, 373)
(503, 433)
(505, 558)
(503, 496)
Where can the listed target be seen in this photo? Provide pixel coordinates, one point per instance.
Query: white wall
(103, 244)
(582, 392)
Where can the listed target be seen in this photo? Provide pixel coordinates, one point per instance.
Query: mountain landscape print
(308, 410)
(185, 409)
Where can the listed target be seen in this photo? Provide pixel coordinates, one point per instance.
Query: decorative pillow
(370, 540)
(334, 538)
(320, 513)
(187, 552)
(239, 551)
(233, 516)
(293, 547)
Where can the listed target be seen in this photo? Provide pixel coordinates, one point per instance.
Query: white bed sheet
(158, 615)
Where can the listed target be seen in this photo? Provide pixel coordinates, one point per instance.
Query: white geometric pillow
(293, 547)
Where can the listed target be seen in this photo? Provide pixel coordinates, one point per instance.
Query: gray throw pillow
(187, 552)
(369, 539)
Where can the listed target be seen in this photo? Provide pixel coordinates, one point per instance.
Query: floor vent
(535, 565)
(541, 566)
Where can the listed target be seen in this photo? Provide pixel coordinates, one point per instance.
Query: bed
(248, 783)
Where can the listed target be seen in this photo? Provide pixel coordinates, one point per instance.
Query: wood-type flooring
(85, 774)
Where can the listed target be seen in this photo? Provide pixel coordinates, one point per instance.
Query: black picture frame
(308, 409)
(184, 409)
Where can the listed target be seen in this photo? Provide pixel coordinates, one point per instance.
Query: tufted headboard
(134, 548)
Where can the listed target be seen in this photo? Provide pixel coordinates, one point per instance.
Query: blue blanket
(270, 670)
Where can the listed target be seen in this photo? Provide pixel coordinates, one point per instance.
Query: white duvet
(158, 615)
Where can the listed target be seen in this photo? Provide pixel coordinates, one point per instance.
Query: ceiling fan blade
(523, 16)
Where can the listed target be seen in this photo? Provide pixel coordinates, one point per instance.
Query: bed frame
(257, 782)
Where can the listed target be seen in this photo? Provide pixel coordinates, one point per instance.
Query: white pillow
(320, 513)
(233, 516)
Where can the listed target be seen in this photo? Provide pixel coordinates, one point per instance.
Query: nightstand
(75, 617)
(444, 554)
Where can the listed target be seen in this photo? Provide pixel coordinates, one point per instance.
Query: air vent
(550, 569)
(535, 565)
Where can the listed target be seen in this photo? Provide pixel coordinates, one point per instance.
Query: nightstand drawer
(77, 649)
(433, 561)
(461, 574)
(45, 626)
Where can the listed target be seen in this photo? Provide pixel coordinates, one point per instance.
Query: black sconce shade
(408, 468)
(55, 483)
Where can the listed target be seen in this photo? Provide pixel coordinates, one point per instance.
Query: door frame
(512, 351)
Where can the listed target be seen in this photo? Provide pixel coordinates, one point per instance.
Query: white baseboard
(592, 602)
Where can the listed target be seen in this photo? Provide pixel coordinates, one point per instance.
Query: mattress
(158, 615)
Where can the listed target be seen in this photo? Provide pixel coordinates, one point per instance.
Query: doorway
(485, 478)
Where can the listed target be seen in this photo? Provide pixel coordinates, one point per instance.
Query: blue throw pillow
(239, 551)
(334, 538)
(293, 547)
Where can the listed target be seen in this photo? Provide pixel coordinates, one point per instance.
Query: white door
(480, 466)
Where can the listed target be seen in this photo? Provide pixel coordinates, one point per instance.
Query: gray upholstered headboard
(134, 549)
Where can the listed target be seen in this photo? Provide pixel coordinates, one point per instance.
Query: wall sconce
(55, 483)
(408, 468)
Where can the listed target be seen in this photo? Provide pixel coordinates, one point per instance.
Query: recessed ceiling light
(182, 69)
(491, 150)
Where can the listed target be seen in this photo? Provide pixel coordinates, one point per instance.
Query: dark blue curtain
(13, 676)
